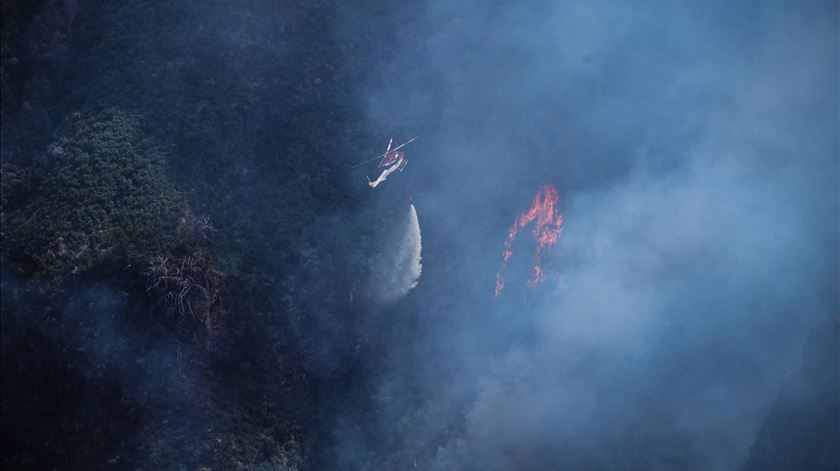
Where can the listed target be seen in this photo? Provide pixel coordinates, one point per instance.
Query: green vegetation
(100, 194)
(171, 175)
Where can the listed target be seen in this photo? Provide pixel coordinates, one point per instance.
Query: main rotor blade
(367, 161)
(385, 154)
(404, 144)
(387, 151)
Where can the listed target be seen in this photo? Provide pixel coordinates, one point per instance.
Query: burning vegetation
(548, 225)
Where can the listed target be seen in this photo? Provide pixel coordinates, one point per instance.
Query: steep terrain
(163, 164)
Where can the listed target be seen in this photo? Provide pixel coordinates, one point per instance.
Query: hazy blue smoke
(694, 147)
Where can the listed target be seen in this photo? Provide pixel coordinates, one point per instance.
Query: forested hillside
(161, 163)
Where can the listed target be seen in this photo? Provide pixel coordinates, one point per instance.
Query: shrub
(101, 195)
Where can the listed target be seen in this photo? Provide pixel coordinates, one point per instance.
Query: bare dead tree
(182, 282)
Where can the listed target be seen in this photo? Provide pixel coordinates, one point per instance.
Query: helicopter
(392, 160)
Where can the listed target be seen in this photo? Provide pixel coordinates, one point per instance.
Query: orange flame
(547, 230)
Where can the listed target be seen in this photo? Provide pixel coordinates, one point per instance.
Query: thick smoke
(694, 147)
(397, 268)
